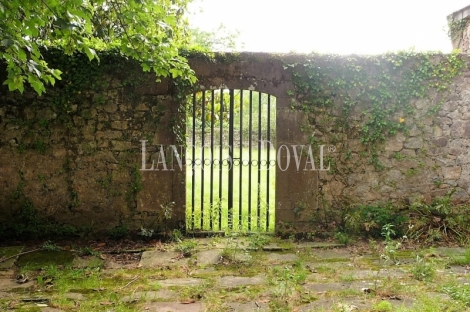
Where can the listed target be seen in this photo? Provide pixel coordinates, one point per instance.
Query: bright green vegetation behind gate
(202, 192)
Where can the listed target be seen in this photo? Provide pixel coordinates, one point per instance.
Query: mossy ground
(242, 277)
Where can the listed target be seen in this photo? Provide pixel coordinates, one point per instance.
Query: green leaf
(91, 53)
(145, 67)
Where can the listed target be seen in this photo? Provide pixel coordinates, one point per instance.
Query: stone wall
(79, 163)
(75, 159)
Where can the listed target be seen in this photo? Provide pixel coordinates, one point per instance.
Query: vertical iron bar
(193, 178)
(221, 121)
(249, 159)
(230, 151)
(212, 159)
(241, 164)
(203, 119)
(267, 163)
(258, 222)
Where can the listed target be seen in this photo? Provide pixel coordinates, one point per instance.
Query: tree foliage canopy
(145, 30)
(220, 40)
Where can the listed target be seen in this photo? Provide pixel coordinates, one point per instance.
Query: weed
(257, 241)
(288, 278)
(177, 236)
(234, 246)
(342, 238)
(411, 172)
(49, 246)
(168, 209)
(391, 247)
(373, 246)
(388, 232)
(398, 155)
(186, 247)
(423, 271)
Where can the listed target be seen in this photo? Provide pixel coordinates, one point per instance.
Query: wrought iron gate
(230, 175)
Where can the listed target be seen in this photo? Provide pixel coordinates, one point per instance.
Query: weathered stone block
(440, 142)
(121, 145)
(414, 143)
(460, 129)
(451, 173)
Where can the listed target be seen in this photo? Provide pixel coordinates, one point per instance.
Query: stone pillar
(459, 29)
(296, 188)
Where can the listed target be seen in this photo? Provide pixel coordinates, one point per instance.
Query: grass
(461, 260)
(249, 195)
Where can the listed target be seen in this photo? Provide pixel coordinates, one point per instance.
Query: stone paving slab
(88, 262)
(180, 282)
(281, 257)
(149, 295)
(208, 270)
(367, 274)
(332, 265)
(40, 259)
(237, 281)
(173, 307)
(317, 245)
(450, 251)
(204, 243)
(7, 274)
(208, 257)
(275, 247)
(9, 252)
(7, 284)
(152, 259)
(339, 254)
(242, 257)
(459, 269)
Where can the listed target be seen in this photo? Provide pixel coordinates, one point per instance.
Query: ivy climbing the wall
(331, 89)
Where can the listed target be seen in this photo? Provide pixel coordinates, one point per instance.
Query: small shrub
(118, 232)
(370, 219)
(342, 238)
(146, 233)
